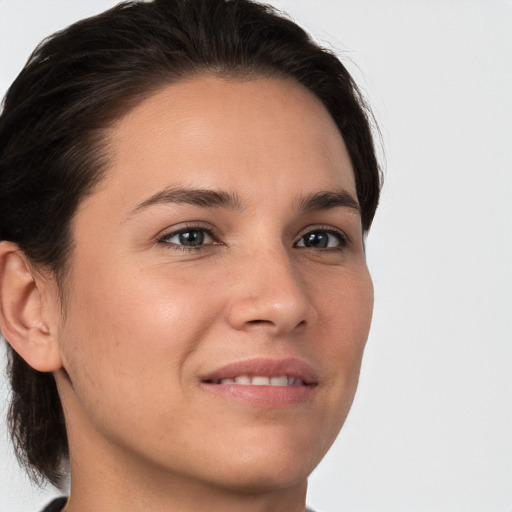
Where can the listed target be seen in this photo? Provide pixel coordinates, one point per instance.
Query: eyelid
(344, 238)
(163, 237)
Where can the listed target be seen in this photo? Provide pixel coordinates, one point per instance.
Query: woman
(186, 186)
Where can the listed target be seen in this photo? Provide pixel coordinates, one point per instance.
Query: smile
(260, 380)
(263, 382)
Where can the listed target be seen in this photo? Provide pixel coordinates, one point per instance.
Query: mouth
(263, 382)
(260, 380)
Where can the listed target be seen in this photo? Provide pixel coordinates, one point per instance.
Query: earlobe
(23, 321)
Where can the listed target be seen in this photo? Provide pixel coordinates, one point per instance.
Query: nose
(270, 295)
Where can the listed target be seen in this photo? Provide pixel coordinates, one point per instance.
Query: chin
(268, 479)
(267, 464)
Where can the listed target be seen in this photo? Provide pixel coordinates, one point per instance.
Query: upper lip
(269, 367)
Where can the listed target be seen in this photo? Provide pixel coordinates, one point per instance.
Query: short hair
(53, 144)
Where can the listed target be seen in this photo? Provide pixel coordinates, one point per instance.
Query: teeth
(279, 381)
(261, 380)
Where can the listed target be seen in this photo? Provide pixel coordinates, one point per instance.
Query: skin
(145, 317)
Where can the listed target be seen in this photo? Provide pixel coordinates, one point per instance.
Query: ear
(26, 325)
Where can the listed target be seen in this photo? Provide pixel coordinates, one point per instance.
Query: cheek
(345, 311)
(344, 303)
(355, 320)
(129, 334)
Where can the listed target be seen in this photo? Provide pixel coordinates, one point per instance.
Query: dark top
(56, 505)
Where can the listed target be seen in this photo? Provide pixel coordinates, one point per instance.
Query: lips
(263, 382)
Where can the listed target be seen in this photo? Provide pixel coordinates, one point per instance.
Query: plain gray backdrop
(431, 426)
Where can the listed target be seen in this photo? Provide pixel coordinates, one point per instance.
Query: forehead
(258, 135)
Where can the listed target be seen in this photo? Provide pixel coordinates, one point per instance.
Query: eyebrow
(195, 196)
(327, 199)
(323, 200)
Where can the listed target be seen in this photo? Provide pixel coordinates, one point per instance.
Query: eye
(189, 238)
(323, 239)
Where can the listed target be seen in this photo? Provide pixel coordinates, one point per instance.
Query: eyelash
(164, 240)
(341, 237)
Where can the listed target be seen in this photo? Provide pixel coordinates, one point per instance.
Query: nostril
(268, 313)
(302, 323)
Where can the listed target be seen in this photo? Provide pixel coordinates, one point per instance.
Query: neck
(117, 489)
(104, 476)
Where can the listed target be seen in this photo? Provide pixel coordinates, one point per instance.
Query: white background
(431, 427)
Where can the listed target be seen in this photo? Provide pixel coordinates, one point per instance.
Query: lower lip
(263, 396)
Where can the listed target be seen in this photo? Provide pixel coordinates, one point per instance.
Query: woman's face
(218, 298)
